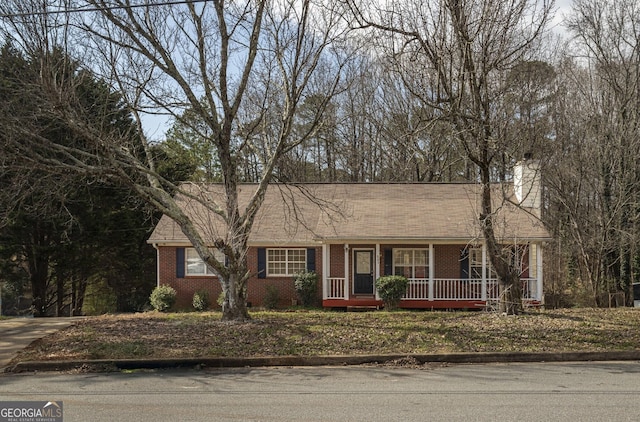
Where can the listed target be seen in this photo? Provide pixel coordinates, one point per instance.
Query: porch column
(432, 270)
(325, 271)
(346, 271)
(483, 291)
(376, 270)
(539, 273)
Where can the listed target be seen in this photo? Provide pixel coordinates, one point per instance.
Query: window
(286, 262)
(411, 263)
(520, 259)
(196, 266)
(475, 265)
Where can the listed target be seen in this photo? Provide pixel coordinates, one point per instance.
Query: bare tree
(595, 178)
(454, 56)
(224, 61)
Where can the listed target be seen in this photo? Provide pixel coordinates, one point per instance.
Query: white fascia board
(435, 241)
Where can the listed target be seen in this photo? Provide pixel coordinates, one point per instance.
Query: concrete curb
(98, 365)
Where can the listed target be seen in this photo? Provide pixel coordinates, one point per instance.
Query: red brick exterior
(446, 265)
(185, 286)
(256, 287)
(336, 260)
(447, 260)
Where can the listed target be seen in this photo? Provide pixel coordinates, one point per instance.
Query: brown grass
(334, 333)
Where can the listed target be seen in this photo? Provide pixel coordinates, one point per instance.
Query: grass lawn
(320, 332)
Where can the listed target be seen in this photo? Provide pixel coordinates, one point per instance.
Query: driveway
(18, 333)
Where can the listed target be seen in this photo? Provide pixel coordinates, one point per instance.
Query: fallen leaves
(334, 333)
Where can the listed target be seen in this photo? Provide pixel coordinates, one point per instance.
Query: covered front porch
(349, 277)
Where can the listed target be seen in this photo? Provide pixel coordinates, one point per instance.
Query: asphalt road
(602, 391)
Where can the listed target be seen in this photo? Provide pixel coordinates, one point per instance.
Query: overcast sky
(563, 9)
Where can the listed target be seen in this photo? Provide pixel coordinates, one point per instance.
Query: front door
(363, 272)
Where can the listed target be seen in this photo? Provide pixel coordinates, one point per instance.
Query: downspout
(325, 271)
(483, 287)
(346, 271)
(155, 246)
(539, 273)
(432, 271)
(376, 270)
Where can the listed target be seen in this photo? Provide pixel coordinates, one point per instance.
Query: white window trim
(491, 274)
(413, 260)
(207, 272)
(475, 263)
(288, 272)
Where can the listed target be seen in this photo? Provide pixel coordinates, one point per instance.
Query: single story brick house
(352, 233)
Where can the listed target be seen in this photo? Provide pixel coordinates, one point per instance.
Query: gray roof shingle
(359, 212)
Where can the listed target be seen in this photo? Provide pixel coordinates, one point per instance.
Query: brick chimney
(526, 183)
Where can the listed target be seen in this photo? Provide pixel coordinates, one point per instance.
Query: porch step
(362, 308)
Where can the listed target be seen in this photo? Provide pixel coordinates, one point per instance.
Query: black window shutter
(262, 263)
(180, 262)
(464, 264)
(311, 259)
(388, 262)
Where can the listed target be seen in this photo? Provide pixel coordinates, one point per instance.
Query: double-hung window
(411, 263)
(475, 265)
(286, 262)
(196, 266)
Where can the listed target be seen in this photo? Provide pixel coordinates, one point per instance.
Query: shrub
(220, 300)
(10, 294)
(200, 301)
(99, 298)
(272, 297)
(391, 288)
(306, 285)
(163, 298)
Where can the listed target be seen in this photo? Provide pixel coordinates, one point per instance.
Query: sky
(563, 8)
(157, 126)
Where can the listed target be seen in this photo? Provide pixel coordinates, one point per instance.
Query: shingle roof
(360, 212)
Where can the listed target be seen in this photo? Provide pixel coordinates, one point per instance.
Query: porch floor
(415, 304)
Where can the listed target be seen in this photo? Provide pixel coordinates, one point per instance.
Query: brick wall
(256, 287)
(447, 260)
(336, 260)
(188, 285)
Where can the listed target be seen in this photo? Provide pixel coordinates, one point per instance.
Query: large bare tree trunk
(454, 56)
(238, 67)
(500, 257)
